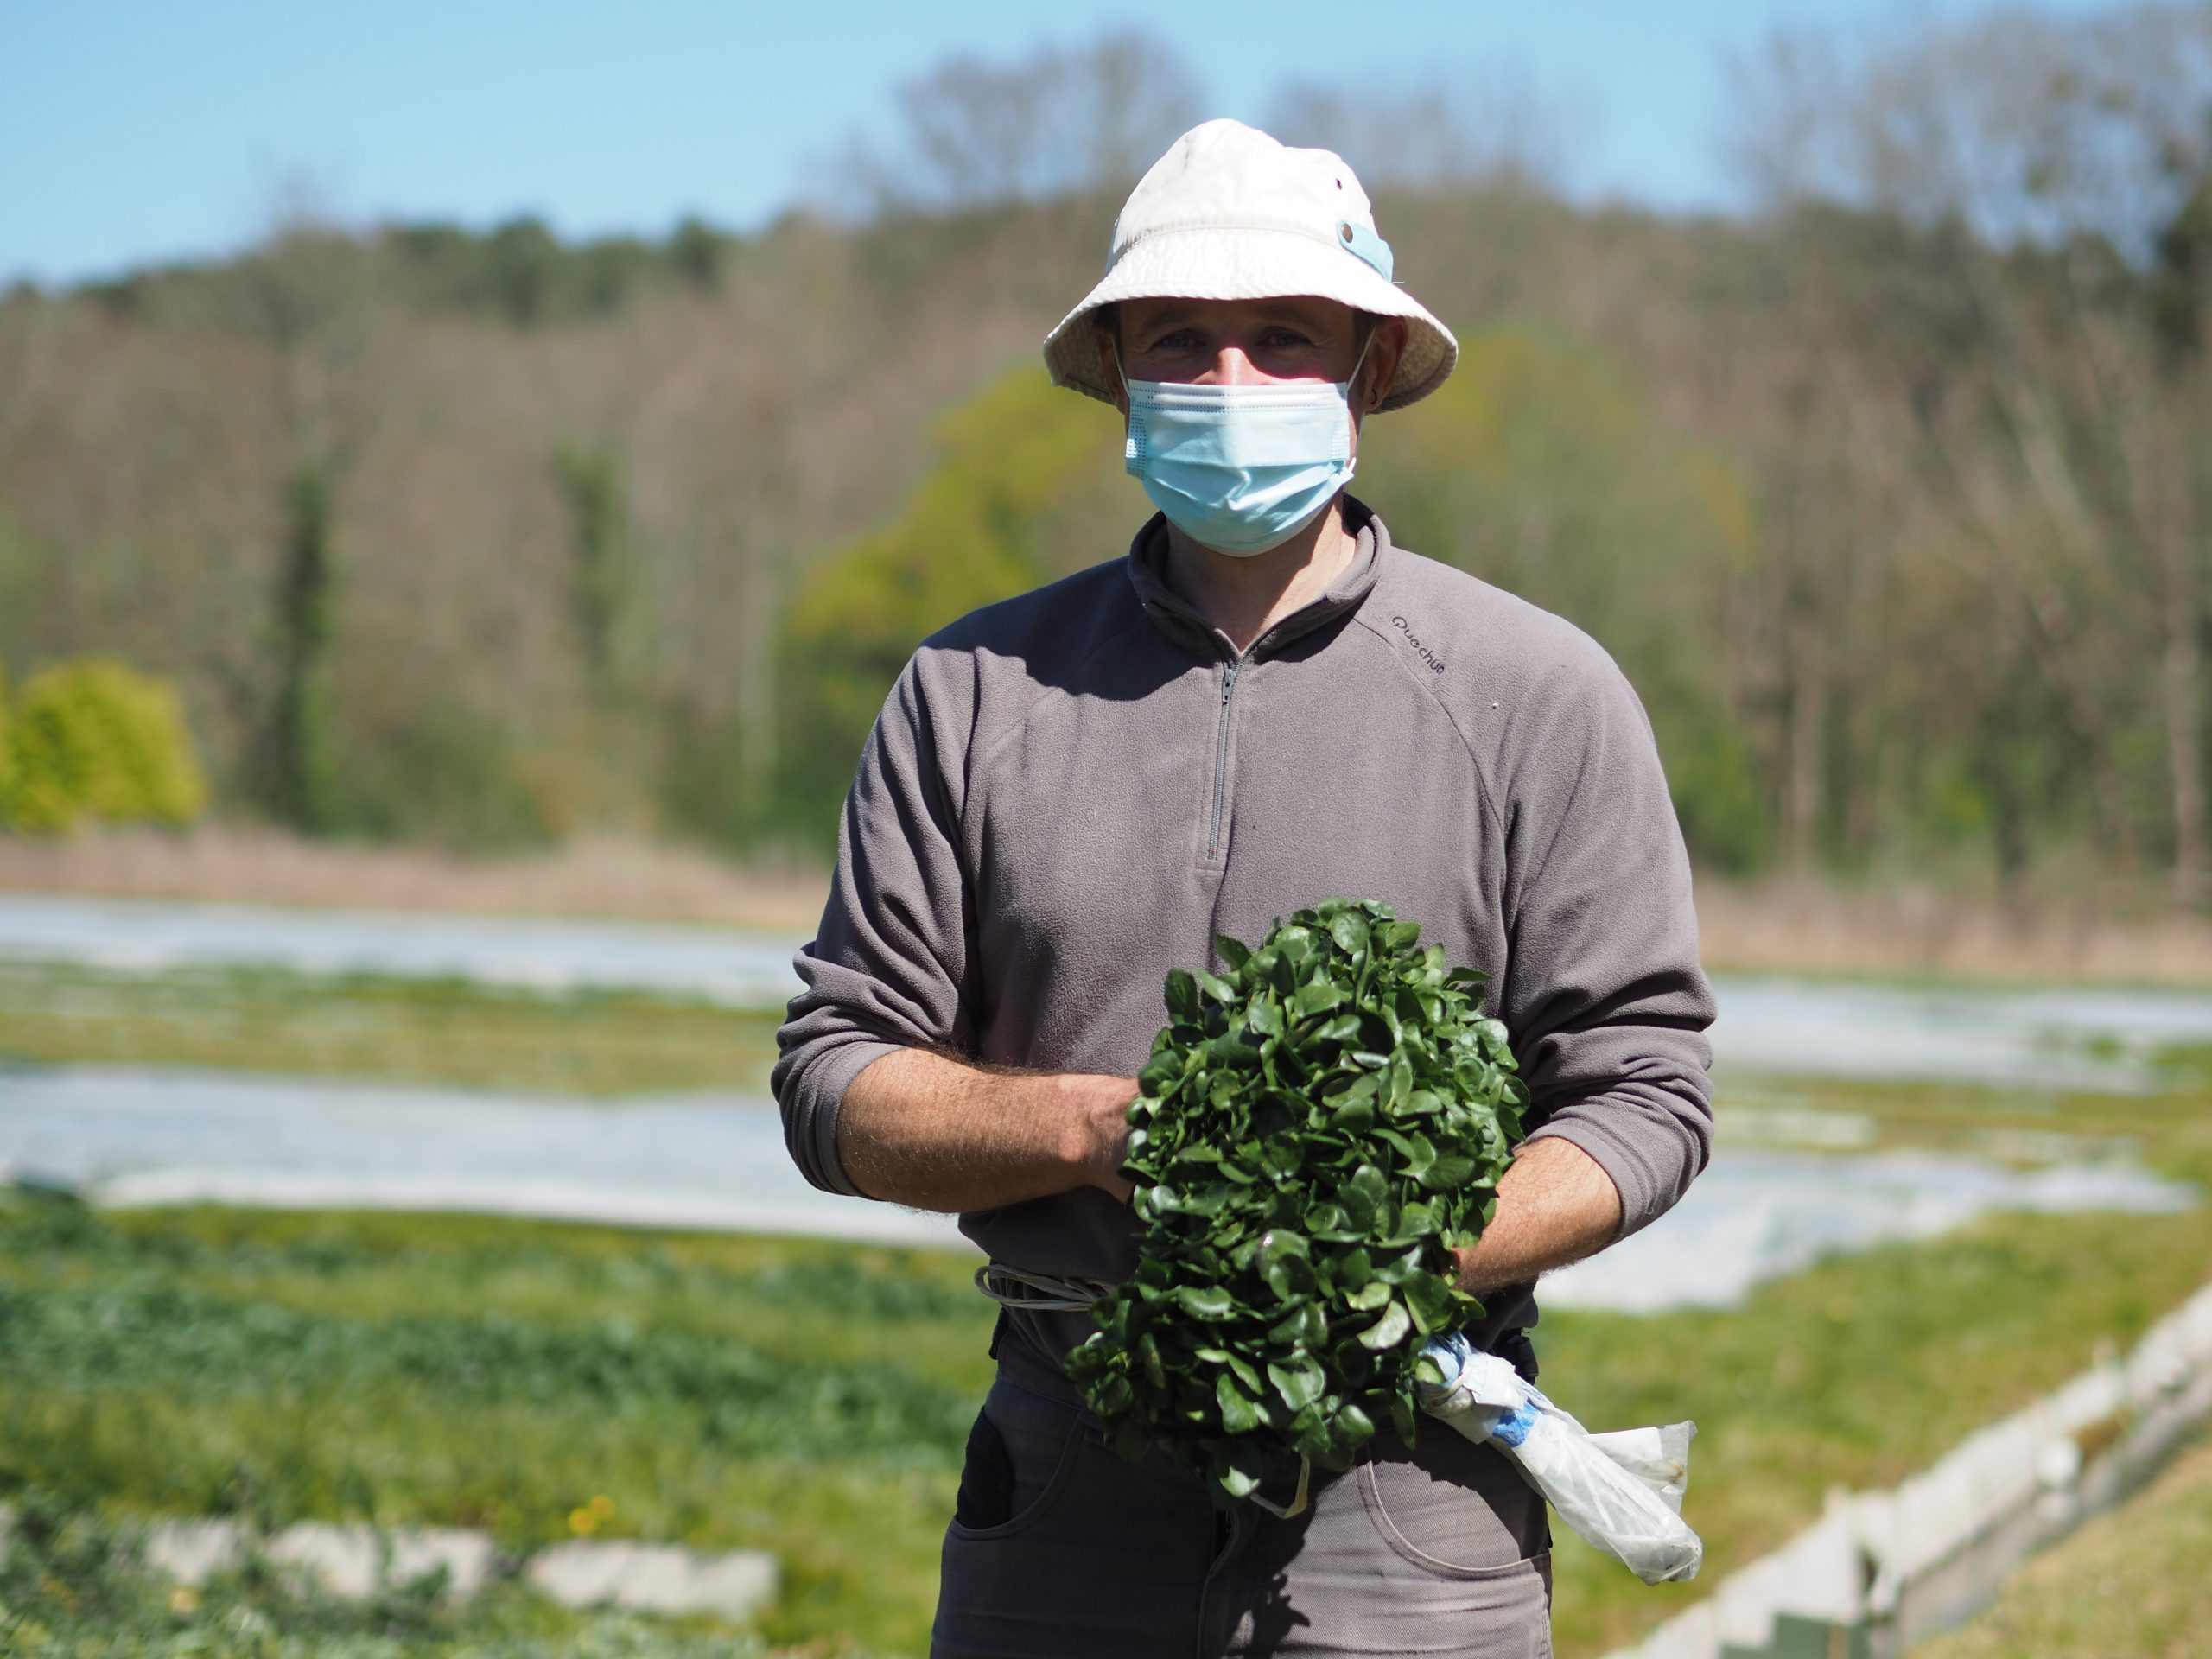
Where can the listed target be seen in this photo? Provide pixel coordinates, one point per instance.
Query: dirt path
(597, 876)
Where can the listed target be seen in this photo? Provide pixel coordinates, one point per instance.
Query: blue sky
(132, 132)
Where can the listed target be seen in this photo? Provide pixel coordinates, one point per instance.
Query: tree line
(1892, 493)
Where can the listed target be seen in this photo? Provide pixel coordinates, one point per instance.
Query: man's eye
(1181, 341)
(1284, 340)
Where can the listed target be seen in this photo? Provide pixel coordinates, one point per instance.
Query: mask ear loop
(1132, 437)
(1358, 363)
(1351, 415)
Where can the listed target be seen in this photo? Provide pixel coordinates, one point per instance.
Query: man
(1268, 704)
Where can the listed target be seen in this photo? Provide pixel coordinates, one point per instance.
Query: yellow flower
(602, 1506)
(184, 1600)
(583, 1522)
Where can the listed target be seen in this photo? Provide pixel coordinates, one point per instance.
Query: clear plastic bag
(1622, 1492)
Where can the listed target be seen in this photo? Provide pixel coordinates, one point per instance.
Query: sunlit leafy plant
(1319, 1130)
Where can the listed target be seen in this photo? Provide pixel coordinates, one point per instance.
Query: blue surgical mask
(1242, 468)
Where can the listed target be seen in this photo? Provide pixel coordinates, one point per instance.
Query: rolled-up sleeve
(1603, 996)
(886, 967)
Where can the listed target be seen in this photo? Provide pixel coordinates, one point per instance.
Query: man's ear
(1385, 351)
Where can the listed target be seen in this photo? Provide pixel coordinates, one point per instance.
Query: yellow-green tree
(1028, 486)
(7, 749)
(97, 740)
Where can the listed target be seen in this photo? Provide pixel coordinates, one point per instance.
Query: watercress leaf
(1299, 1384)
(1205, 1301)
(1352, 1427)
(1238, 1414)
(1448, 1172)
(1402, 1417)
(1417, 1219)
(1431, 1302)
(1402, 1265)
(1389, 1330)
(1182, 994)
(1290, 1277)
(1215, 986)
(1318, 997)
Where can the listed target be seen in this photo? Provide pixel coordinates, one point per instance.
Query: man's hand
(921, 1128)
(1555, 1205)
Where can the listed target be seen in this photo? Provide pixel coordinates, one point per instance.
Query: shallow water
(527, 953)
(156, 1135)
(2098, 1040)
(1756, 1216)
(153, 1134)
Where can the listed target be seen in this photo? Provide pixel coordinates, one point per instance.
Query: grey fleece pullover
(1072, 791)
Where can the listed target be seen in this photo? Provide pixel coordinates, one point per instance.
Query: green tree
(591, 484)
(695, 252)
(522, 266)
(1537, 467)
(304, 777)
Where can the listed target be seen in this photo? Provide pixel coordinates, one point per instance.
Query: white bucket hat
(1230, 214)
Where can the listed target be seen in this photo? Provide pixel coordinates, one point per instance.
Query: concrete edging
(1882, 1570)
(355, 1562)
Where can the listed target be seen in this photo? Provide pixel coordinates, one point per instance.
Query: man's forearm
(1555, 1205)
(921, 1128)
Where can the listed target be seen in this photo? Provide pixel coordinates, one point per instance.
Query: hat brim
(1213, 263)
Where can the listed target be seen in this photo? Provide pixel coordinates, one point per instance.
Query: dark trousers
(1061, 1550)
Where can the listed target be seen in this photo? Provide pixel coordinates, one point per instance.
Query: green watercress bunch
(1318, 1128)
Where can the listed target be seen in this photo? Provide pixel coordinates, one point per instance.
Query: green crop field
(383, 1030)
(812, 1398)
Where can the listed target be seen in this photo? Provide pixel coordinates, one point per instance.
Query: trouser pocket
(1455, 1508)
(1058, 1548)
(1019, 1456)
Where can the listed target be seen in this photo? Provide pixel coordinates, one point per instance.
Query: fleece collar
(1177, 618)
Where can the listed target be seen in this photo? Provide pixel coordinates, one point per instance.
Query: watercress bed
(1318, 1131)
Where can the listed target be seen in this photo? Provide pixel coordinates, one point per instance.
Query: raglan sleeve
(888, 966)
(1603, 996)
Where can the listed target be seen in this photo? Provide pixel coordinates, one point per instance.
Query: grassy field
(387, 1030)
(813, 1398)
(1870, 1366)
(76, 1587)
(717, 1391)
(2132, 1583)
